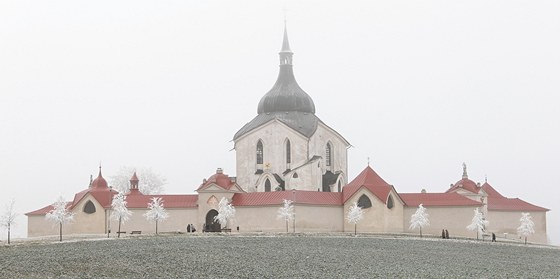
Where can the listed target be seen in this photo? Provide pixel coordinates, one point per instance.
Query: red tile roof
(491, 191)
(466, 184)
(369, 179)
(437, 199)
(220, 179)
(277, 197)
(169, 201)
(44, 210)
(513, 204)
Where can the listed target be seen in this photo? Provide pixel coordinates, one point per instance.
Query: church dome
(99, 183)
(286, 95)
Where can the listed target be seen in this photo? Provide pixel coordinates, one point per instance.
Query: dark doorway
(211, 225)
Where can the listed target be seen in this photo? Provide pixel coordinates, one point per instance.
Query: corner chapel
(287, 152)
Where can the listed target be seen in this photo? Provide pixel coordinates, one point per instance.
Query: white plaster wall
(317, 146)
(453, 218)
(176, 222)
(309, 218)
(273, 136)
(377, 218)
(501, 222)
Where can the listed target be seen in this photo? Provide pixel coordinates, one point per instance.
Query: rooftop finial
(485, 178)
(368, 161)
(465, 176)
(285, 53)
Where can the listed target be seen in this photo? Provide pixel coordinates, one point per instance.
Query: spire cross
(465, 176)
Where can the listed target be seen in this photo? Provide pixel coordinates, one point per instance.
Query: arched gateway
(211, 224)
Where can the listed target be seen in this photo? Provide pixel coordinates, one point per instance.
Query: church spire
(286, 53)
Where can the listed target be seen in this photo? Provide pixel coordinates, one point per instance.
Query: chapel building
(287, 153)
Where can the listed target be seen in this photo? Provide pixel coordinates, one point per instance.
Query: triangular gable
(369, 179)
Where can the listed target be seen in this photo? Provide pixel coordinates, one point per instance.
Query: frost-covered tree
(119, 212)
(527, 226)
(150, 182)
(226, 211)
(8, 218)
(60, 214)
(286, 212)
(478, 223)
(419, 219)
(355, 214)
(156, 212)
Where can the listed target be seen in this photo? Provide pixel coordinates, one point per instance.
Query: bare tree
(8, 219)
(527, 225)
(355, 214)
(119, 211)
(150, 182)
(60, 214)
(226, 211)
(419, 219)
(286, 212)
(156, 212)
(478, 223)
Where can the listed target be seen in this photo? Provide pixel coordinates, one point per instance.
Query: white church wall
(317, 146)
(273, 136)
(176, 222)
(453, 218)
(506, 222)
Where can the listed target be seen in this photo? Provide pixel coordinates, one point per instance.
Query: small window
(259, 152)
(328, 157)
(390, 202)
(295, 175)
(89, 208)
(364, 202)
(267, 186)
(288, 152)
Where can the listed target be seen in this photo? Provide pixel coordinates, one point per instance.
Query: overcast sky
(418, 86)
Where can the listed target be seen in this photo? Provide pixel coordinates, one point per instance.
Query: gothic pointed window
(328, 157)
(267, 185)
(390, 202)
(339, 186)
(260, 153)
(288, 153)
(364, 202)
(89, 208)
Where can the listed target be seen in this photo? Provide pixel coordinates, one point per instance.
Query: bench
(136, 232)
(226, 230)
(121, 232)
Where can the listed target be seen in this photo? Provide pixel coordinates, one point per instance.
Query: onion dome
(286, 95)
(99, 183)
(465, 183)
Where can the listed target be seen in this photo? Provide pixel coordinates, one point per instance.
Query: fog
(419, 87)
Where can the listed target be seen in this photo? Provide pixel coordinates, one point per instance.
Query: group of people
(190, 228)
(444, 234)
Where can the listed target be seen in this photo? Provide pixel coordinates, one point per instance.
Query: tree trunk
(286, 225)
(156, 226)
(119, 232)
(8, 233)
(525, 240)
(355, 230)
(420, 231)
(61, 231)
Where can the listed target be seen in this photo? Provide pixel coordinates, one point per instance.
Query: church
(287, 153)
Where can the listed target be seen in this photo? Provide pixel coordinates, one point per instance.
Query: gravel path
(277, 257)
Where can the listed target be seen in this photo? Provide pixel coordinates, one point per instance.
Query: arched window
(364, 202)
(288, 153)
(390, 202)
(89, 208)
(295, 175)
(260, 154)
(328, 157)
(339, 186)
(267, 185)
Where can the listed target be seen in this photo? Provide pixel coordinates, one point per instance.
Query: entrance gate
(211, 224)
